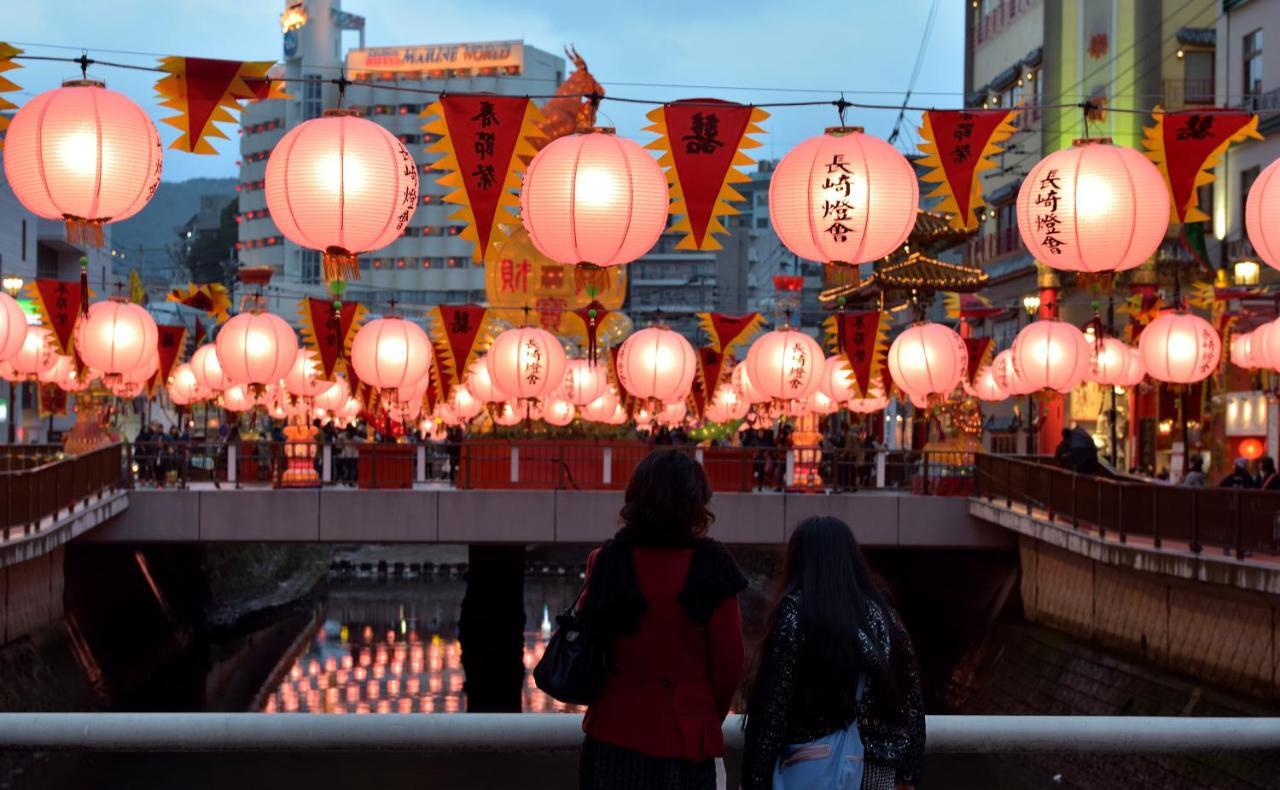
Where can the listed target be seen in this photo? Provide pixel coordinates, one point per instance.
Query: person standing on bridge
(664, 597)
(1239, 477)
(836, 656)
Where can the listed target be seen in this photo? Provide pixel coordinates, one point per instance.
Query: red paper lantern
(874, 402)
(672, 414)
(256, 348)
(464, 404)
(341, 184)
(843, 196)
(481, 383)
(237, 398)
(13, 326)
(557, 412)
(509, 413)
(657, 363)
(741, 381)
(985, 387)
(583, 382)
(1251, 449)
(36, 356)
(594, 198)
(603, 408)
(1094, 207)
(391, 353)
(526, 362)
(1051, 354)
(1006, 376)
(838, 383)
(333, 398)
(302, 380)
(785, 365)
(727, 404)
(84, 155)
(207, 369)
(1180, 348)
(927, 358)
(1111, 362)
(1262, 214)
(116, 337)
(183, 386)
(1241, 350)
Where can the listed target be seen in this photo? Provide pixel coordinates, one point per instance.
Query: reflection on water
(393, 648)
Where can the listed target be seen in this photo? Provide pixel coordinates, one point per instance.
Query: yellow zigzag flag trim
(312, 343)
(733, 175)
(524, 152)
(1153, 141)
(7, 54)
(444, 352)
(744, 338)
(938, 174)
(172, 90)
(879, 350)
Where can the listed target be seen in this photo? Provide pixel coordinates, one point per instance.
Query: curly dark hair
(667, 498)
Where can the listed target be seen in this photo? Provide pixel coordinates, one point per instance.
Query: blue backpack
(833, 762)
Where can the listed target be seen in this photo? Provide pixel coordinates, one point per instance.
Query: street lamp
(1246, 272)
(1031, 303)
(12, 284)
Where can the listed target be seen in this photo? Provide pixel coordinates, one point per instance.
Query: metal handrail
(30, 495)
(512, 732)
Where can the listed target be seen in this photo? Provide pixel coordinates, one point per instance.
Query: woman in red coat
(665, 597)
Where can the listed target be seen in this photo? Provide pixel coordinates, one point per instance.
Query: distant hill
(152, 229)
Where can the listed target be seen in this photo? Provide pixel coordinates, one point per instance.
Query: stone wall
(1219, 634)
(31, 596)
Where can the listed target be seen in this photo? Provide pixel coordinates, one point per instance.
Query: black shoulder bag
(573, 667)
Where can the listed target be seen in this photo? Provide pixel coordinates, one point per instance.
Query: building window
(312, 94)
(310, 267)
(1197, 77)
(1253, 63)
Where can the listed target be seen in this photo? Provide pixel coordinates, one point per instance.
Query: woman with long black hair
(836, 654)
(664, 598)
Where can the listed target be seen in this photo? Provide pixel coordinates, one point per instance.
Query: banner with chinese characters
(703, 143)
(458, 333)
(520, 278)
(730, 334)
(863, 337)
(212, 298)
(485, 141)
(58, 302)
(329, 333)
(205, 92)
(958, 146)
(7, 53)
(1186, 145)
(169, 342)
(979, 349)
(710, 374)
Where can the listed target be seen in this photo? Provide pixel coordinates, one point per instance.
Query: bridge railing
(44, 489)
(1234, 520)
(588, 465)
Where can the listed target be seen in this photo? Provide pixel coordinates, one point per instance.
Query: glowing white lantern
(583, 382)
(1050, 354)
(1180, 348)
(657, 364)
(927, 358)
(785, 365)
(526, 362)
(985, 387)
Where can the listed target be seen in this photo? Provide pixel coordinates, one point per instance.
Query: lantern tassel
(83, 232)
(340, 264)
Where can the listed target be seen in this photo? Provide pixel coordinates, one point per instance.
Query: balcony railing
(990, 246)
(1183, 94)
(1000, 16)
(35, 487)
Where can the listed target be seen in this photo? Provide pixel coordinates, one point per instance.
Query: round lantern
(36, 355)
(464, 404)
(57, 371)
(116, 337)
(84, 155)
(1094, 207)
(75, 380)
(1110, 362)
(481, 383)
(126, 389)
(785, 365)
(619, 415)
(985, 387)
(1259, 345)
(1180, 348)
(256, 348)
(1050, 354)
(302, 380)
(1261, 213)
(348, 412)
(183, 385)
(1241, 350)
(741, 382)
(594, 198)
(237, 398)
(13, 326)
(838, 382)
(343, 185)
(843, 197)
(657, 363)
(1134, 371)
(927, 358)
(583, 382)
(207, 369)
(1251, 448)
(672, 414)
(526, 362)
(602, 408)
(334, 397)
(390, 353)
(874, 402)
(509, 413)
(819, 403)
(143, 373)
(557, 412)
(1006, 375)
(727, 404)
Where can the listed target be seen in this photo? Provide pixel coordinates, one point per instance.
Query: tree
(211, 258)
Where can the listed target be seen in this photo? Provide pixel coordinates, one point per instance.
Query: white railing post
(880, 454)
(790, 476)
(606, 473)
(232, 461)
(515, 464)
(326, 463)
(421, 474)
(697, 454)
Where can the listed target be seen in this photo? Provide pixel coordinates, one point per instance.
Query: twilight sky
(741, 50)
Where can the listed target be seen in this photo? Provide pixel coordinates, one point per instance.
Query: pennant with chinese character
(710, 374)
(485, 140)
(1187, 144)
(863, 338)
(958, 146)
(703, 143)
(206, 92)
(52, 400)
(725, 333)
(965, 306)
(212, 298)
(327, 334)
(169, 342)
(455, 331)
(7, 54)
(979, 349)
(58, 302)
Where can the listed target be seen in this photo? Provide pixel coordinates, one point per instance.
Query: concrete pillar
(491, 629)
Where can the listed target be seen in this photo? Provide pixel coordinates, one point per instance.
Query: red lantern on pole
(391, 353)
(658, 364)
(927, 359)
(785, 365)
(1180, 348)
(116, 337)
(526, 362)
(256, 348)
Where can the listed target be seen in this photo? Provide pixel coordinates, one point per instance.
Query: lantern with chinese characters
(583, 382)
(985, 387)
(741, 381)
(1180, 348)
(785, 365)
(557, 412)
(343, 185)
(207, 369)
(1262, 213)
(83, 155)
(874, 402)
(1005, 374)
(594, 198)
(464, 404)
(1094, 207)
(927, 359)
(115, 337)
(391, 353)
(1051, 354)
(302, 380)
(183, 386)
(602, 408)
(481, 383)
(256, 348)
(13, 326)
(526, 362)
(837, 382)
(334, 397)
(657, 364)
(237, 398)
(843, 197)
(1111, 362)
(126, 389)
(36, 356)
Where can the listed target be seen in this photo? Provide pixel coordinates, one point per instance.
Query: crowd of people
(1260, 474)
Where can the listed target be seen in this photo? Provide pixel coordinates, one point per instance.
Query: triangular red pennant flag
(328, 334)
(957, 144)
(978, 348)
(169, 340)
(861, 336)
(454, 332)
(59, 303)
(711, 363)
(1186, 144)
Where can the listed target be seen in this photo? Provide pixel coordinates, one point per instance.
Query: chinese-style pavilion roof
(917, 272)
(934, 232)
